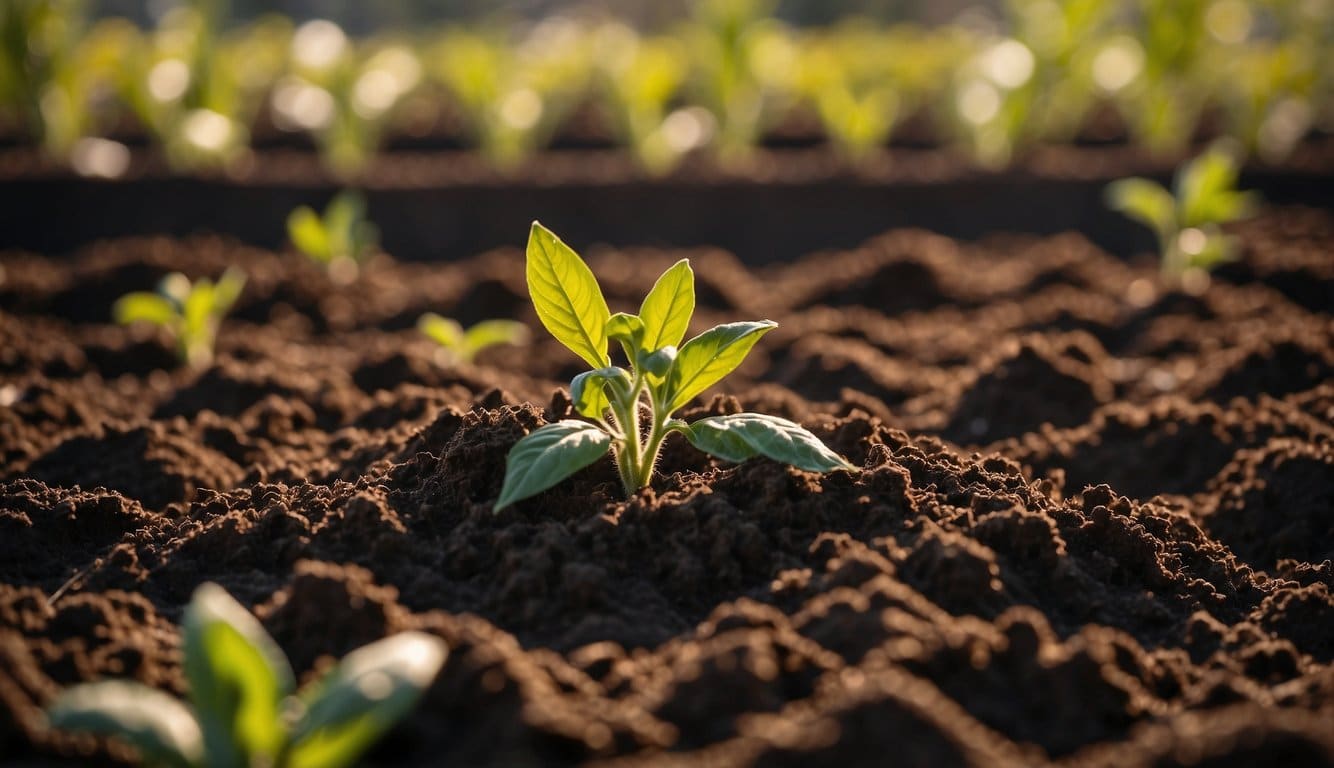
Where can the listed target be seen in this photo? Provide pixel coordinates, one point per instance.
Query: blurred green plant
(344, 94)
(744, 65)
(638, 80)
(1188, 220)
(340, 240)
(1036, 85)
(189, 312)
(1175, 49)
(54, 73)
(513, 95)
(463, 345)
(243, 708)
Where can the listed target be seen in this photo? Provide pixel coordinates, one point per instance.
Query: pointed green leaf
(667, 309)
(566, 297)
(238, 676)
(227, 290)
(707, 358)
(142, 306)
(587, 390)
(160, 727)
(442, 330)
(489, 333)
(741, 436)
(369, 691)
(306, 231)
(548, 456)
(1145, 201)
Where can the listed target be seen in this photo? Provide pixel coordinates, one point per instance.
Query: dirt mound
(1090, 525)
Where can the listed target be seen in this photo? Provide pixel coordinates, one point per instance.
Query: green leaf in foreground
(548, 456)
(741, 436)
(160, 727)
(244, 712)
(238, 675)
(371, 689)
(566, 297)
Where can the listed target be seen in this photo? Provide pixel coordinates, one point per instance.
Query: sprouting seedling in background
(190, 312)
(340, 240)
(463, 345)
(659, 381)
(243, 707)
(1188, 220)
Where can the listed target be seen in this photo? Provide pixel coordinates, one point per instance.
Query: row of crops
(722, 81)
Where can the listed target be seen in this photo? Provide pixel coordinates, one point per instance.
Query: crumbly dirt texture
(1093, 525)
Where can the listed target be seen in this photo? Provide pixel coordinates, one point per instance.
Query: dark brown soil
(1094, 523)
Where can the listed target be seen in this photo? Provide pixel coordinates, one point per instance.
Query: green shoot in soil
(1188, 221)
(243, 708)
(629, 410)
(340, 240)
(190, 312)
(464, 345)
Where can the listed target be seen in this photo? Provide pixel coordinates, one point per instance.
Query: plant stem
(637, 454)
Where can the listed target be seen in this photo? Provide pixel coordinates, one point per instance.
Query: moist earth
(1092, 527)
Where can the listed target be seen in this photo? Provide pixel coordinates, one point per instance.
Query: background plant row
(721, 81)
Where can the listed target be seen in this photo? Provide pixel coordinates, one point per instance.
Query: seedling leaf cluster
(463, 345)
(1188, 219)
(340, 239)
(244, 708)
(629, 410)
(190, 312)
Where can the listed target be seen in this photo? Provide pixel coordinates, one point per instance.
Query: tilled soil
(1093, 527)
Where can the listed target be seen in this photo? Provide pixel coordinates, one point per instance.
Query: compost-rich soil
(1093, 523)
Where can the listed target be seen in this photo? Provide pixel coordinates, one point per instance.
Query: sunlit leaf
(741, 436)
(710, 356)
(369, 691)
(160, 727)
(238, 675)
(548, 456)
(566, 297)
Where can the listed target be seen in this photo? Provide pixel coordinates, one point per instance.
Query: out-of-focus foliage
(722, 80)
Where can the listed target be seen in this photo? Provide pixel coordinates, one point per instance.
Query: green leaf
(306, 231)
(667, 309)
(342, 219)
(588, 393)
(489, 333)
(238, 676)
(160, 727)
(369, 691)
(626, 328)
(707, 358)
(548, 456)
(442, 330)
(741, 436)
(227, 290)
(566, 297)
(1146, 201)
(659, 364)
(142, 306)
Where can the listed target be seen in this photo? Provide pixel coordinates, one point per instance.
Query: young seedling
(1187, 220)
(464, 345)
(190, 312)
(243, 708)
(340, 240)
(629, 410)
